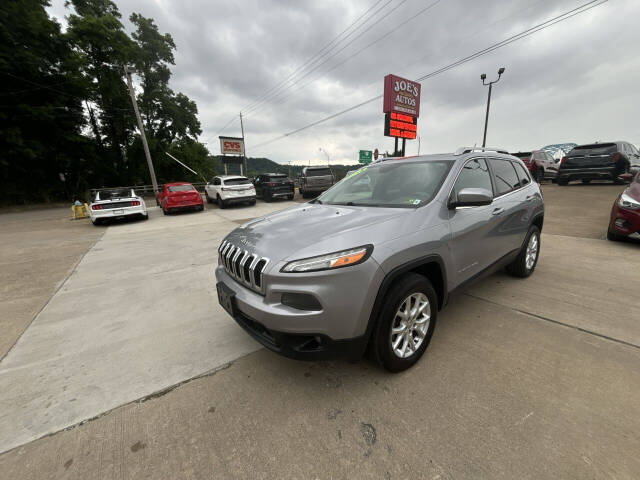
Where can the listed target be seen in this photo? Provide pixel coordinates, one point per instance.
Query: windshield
(317, 172)
(180, 188)
(237, 181)
(390, 184)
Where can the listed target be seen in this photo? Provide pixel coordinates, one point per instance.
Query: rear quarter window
(505, 176)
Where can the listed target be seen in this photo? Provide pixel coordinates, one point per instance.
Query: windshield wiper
(316, 200)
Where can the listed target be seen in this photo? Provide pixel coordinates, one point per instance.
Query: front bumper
(338, 329)
(302, 346)
(624, 221)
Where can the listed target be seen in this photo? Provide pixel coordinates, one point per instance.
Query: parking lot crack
(557, 322)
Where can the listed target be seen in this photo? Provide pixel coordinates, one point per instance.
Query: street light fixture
(483, 77)
(320, 149)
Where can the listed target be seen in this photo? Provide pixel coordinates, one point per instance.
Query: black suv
(598, 161)
(273, 185)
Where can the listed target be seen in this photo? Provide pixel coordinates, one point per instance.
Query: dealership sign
(401, 107)
(401, 96)
(400, 125)
(231, 146)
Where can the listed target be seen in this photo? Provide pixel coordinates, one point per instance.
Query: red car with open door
(625, 213)
(178, 196)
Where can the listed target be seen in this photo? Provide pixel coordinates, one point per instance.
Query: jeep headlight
(627, 202)
(343, 258)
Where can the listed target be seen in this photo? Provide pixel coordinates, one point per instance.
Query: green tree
(41, 114)
(96, 33)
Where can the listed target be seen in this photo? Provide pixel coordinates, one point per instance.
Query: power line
(525, 33)
(320, 52)
(379, 39)
(317, 56)
(275, 94)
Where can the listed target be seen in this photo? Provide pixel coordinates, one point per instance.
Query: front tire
(613, 236)
(209, 200)
(563, 181)
(406, 323)
(586, 181)
(526, 261)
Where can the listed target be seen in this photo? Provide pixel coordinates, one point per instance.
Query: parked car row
(597, 161)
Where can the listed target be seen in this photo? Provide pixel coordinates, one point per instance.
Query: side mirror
(472, 197)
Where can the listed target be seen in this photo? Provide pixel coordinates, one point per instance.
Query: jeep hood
(314, 229)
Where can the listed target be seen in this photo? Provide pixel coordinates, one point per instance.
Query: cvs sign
(231, 146)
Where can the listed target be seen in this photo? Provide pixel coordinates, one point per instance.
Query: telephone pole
(244, 147)
(127, 72)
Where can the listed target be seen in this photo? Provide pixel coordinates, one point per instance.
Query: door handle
(497, 211)
(530, 197)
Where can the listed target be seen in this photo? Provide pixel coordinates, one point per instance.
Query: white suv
(227, 189)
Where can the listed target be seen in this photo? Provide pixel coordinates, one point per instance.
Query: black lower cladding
(302, 346)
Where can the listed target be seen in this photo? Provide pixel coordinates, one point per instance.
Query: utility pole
(483, 77)
(244, 147)
(127, 72)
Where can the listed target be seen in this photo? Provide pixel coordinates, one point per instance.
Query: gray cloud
(576, 81)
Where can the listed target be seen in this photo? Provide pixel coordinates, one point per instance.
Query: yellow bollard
(79, 211)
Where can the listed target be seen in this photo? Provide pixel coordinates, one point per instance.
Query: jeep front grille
(245, 267)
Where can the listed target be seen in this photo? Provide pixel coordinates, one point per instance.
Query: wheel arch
(430, 266)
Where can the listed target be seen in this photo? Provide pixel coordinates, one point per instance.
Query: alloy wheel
(532, 251)
(410, 325)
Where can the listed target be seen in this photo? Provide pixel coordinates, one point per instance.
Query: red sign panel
(401, 96)
(231, 145)
(400, 125)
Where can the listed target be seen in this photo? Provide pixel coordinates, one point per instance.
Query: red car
(179, 196)
(540, 164)
(625, 214)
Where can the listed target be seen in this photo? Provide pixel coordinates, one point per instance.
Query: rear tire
(586, 181)
(399, 298)
(252, 202)
(526, 261)
(563, 181)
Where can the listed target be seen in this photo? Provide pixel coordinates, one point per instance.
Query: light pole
(483, 77)
(127, 73)
(320, 149)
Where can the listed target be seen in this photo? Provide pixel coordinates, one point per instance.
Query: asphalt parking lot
(117, 362)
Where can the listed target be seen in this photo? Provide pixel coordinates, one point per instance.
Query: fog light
(621, 223)
(300, 301)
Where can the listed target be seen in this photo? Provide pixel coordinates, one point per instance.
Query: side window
(505, 176)
(216, 181)
(525, 179)
(474, 174)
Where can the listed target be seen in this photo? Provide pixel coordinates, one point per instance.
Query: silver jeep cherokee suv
(383, 250)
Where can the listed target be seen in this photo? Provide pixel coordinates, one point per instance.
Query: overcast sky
(576, 81)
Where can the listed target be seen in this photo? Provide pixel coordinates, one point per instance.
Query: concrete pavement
(137, 315)
(524, 378)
